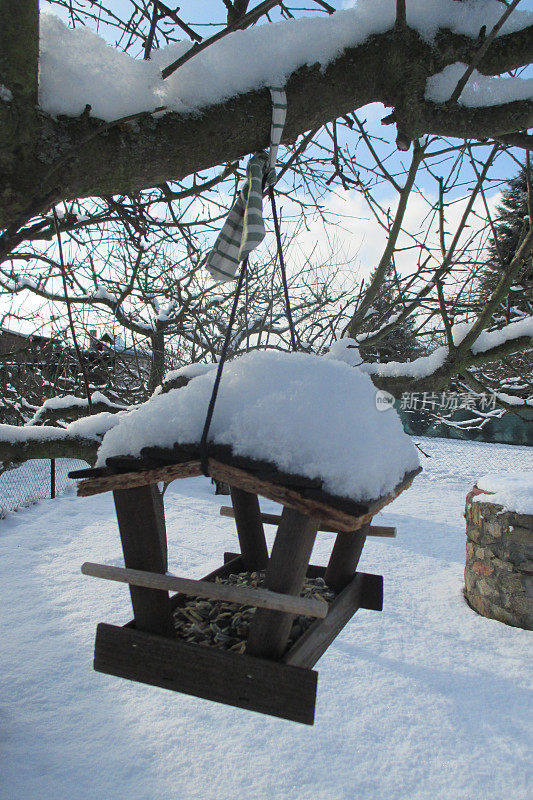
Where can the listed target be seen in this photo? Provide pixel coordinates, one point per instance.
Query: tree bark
(19, 47)
(19, 120)
(157, 365)
(452, 367)
(83, 157)
(64, 447)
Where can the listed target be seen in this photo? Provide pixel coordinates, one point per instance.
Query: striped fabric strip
(244, 227)
(279, 113)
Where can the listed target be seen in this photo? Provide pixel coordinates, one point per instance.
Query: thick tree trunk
(157, 366)
(19, 48)
(19, 120)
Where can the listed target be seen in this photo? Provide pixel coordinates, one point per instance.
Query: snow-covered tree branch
(330, 66)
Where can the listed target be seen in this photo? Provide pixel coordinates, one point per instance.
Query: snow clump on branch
(78, 67)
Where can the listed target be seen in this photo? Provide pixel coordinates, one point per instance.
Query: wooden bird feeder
(269, 677)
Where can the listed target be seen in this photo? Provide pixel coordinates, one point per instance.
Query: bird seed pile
(216, 623)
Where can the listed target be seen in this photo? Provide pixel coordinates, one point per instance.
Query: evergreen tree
(510, 228)
(512, 374)
(398, 345)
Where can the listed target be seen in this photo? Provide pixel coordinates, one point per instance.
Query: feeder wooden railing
(384, 531)
(363, 591)
(241, 595)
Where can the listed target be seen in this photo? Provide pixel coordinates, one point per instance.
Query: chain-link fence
(35, 480)
(468, 460)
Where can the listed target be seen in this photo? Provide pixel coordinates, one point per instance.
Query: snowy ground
(426, 700)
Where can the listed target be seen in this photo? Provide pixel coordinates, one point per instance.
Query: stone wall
(499, 563)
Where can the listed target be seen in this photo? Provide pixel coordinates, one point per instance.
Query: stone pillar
(499, 562)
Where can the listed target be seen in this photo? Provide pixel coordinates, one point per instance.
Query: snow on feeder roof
(306, 415)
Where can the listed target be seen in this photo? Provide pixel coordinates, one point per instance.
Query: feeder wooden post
(159, 506)
(249, 529)
(142, 533)
(345, 558)
(285, 573)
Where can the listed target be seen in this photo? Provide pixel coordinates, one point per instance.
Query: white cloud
(353, 239)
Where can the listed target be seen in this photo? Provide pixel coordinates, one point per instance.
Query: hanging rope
(246, 326)
(288, 310)
(204, 450)
(242, 231)
(279, 114)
